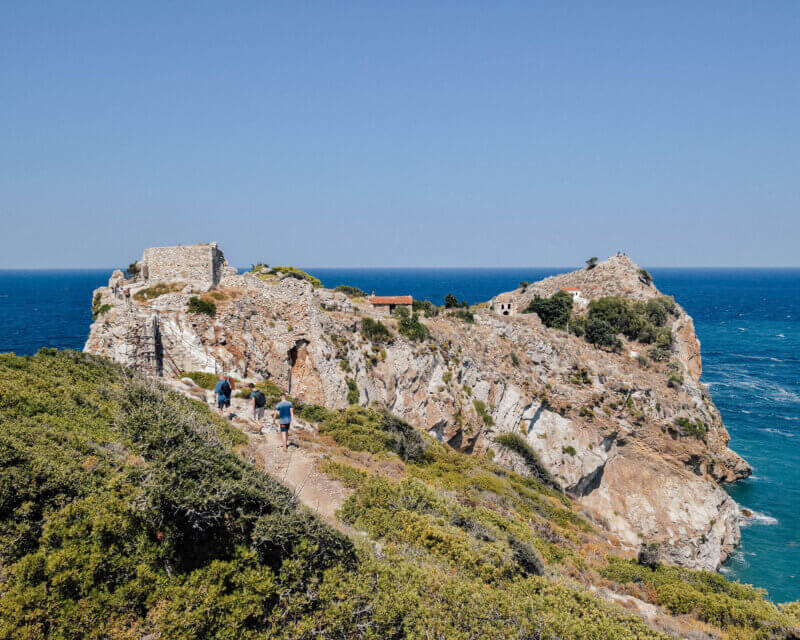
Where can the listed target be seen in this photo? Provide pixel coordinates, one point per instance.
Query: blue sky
(401, 134)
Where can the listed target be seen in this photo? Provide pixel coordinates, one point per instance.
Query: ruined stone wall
(200, 264)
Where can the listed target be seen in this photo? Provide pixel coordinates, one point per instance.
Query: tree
(591, 263)
(450, 301)
(133, 270)
(524, 285)
(645, 277)
(601, 334)
(554, 311)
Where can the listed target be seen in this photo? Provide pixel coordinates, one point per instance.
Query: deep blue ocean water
(748, 321)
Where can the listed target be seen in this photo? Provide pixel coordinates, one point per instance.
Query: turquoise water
(748, 321)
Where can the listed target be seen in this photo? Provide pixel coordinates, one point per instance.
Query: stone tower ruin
(201, 265)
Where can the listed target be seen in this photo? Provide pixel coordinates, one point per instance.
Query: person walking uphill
(285, 414)
(223, 392)
(259, 404)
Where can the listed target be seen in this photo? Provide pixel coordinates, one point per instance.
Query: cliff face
(600, 422)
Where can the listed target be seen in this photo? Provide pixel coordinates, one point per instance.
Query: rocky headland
(636, 440)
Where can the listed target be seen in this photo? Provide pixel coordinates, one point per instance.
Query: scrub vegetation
(128, 511)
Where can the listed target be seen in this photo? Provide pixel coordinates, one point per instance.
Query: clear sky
(401, 134)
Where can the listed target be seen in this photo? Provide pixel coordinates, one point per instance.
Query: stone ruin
(201, 265)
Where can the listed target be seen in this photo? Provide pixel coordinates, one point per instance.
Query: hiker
(127, 297)
(285, 414)
(259, 404)
(223, 392)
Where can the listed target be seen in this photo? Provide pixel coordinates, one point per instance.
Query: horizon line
(357, 268)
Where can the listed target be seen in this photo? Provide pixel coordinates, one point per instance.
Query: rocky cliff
(604, 424)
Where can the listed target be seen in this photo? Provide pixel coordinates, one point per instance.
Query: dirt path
(296, 468)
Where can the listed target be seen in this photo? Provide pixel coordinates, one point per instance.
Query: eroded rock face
(600, 422)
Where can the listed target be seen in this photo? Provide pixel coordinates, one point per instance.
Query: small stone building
(504, 305)
(386, 304)
(202, 265)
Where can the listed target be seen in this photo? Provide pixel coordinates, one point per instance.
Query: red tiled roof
(377, 300)
(570, 289)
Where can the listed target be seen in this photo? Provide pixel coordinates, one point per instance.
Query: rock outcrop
(602, 423)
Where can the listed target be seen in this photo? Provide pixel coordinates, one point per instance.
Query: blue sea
(748, 321)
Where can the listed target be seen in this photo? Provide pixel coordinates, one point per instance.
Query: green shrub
(349, 476)
(157, 290)
(368, 429)
(569, 450)
(103, 308)
(591, 263)
(696, 429)
(143, 508)
(408, 325)
(294, 272)
(519, 445)
(577, 326)
(352, 391)
(428, 309)
(450, 301)
(198, 305)
(554, 311)
(728, 605)
(480, 409)
(352, 292)
(645, 276)
(202, 378)
(375, 330)
(465, 315)
(659, 354)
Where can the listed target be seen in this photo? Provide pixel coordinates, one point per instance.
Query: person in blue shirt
(284, 412)
(223, 392)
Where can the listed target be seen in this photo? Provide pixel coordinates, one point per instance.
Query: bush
(294, 272)
(352, 391)
(198, 305)
(483, 414)
(707, 595)
(645, 277)
(375, 330)
(695, 429)
(659, 354)
(143, 507)
(408, 325)
(99, 311)
(637, 320)
(202, 378)
(352, 292)
(554, 311)
(591, 263)
(464, 315)
(160, 289)
(577, 326)
(600, 333)
(133, 270)
(519, 445)
(368, 429)
(429, 310)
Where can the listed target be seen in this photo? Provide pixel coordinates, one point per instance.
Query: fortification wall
(200, 264)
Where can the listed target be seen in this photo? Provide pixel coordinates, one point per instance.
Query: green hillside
(130, 512)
